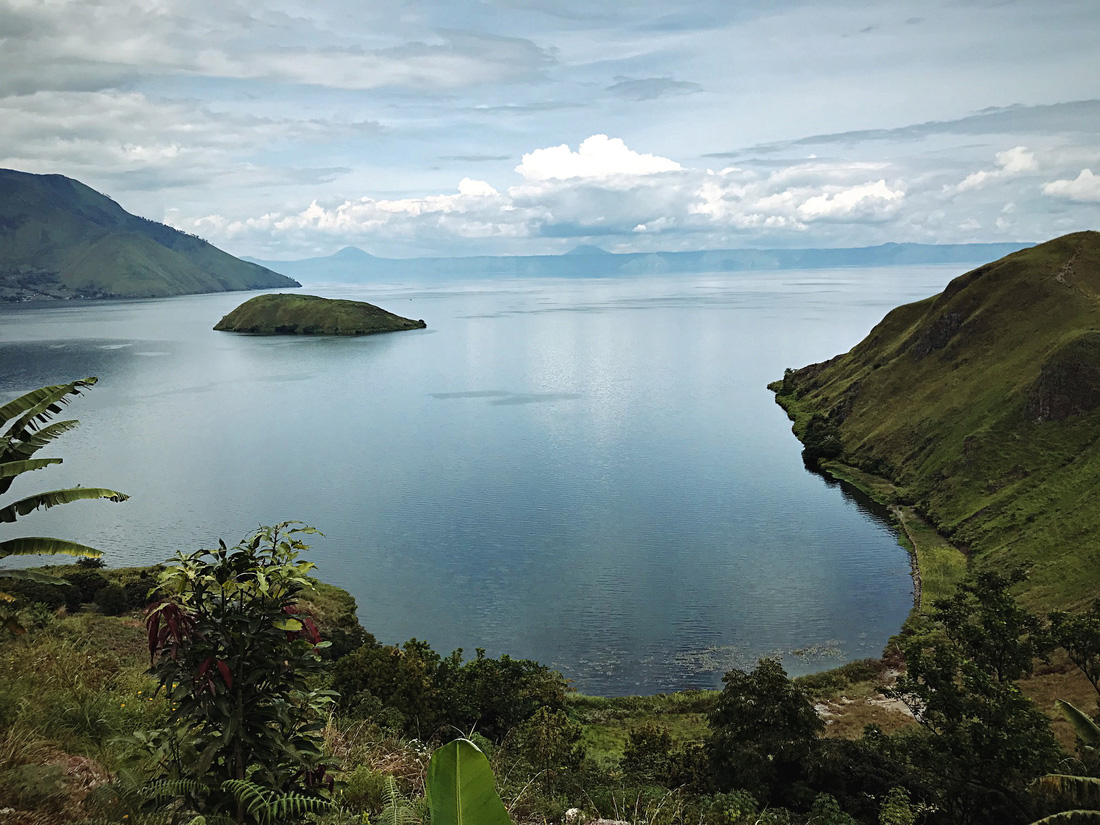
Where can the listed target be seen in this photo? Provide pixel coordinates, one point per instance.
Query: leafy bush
(86, 583)
(236, 656)
(763, 732)
(425, 694)
(364, 790)
(648, 753)
(821, 439)
(112, 600)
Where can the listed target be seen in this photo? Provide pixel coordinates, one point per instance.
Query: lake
(588, 472)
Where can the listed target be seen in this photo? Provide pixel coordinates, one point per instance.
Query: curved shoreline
(937, 564)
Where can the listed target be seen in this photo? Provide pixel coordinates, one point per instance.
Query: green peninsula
(62, 239)
(281, 314)
(981, 408)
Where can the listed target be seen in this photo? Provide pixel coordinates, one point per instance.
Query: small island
(282, 314)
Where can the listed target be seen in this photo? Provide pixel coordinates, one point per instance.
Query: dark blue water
(591, 473)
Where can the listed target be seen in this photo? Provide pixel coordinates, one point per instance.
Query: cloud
(603, 189)
(100, 136)
(871, 200)
(651, 88)
(1009, 163)
(1085, 188)
(474, 158)
(597, 157)
(1075, 117)
(64, 46)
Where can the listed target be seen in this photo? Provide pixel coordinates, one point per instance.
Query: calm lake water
(591, 473)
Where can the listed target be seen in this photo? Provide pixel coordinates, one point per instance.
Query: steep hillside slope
(62, 239)
(983, 405)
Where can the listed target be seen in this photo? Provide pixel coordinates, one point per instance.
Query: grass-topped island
(282, 314)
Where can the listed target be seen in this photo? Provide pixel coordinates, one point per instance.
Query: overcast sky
(286, 129)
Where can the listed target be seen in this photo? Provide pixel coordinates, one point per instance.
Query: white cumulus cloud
(1009, 163)
(1085, 188)
(597, 157)
(869, 200)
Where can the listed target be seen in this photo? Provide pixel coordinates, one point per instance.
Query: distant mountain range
(353, 265)
(62, 239)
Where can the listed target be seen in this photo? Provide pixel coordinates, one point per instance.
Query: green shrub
(648, 753)
(86, 583)
(731, 808)
(364, 790)
(112, 600)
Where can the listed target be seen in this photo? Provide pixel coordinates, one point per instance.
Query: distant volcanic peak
(351, 253)
(588, 249)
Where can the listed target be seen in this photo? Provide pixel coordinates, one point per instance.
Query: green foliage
(981, 405)
(413, 689)
(396, 809)
(826, 811)
(732, 808)
(285, 314)
(235, 656)
(461, 787)
(268, 807)
(365, 790)
(821, 439)
(1079, 635)
(25, 431)
(763, 732)
(897, 809)
(34, 787)
(648, 753)
(550, 742)
(112, 600)
(983, 741)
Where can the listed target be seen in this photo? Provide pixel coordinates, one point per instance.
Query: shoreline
(937, 564)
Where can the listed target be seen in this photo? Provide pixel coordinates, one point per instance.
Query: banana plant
(25, 429)
(461, 788)
(1083, 790)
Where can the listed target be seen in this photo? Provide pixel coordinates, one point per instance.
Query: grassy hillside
(62, 239)
(309, 315)
(982, 406)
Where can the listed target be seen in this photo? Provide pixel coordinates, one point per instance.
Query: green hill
(309, 315)
(62, 239)
(982, 405)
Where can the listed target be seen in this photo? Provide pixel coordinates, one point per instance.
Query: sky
(432, 127)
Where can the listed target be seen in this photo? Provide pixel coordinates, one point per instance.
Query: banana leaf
(1086, 729)
(54, 498)
(36, 545)
(31, 576)
(12, 450)
(38, 405)
(461, 788)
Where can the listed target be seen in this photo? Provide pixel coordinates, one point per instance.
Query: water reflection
(610, 490)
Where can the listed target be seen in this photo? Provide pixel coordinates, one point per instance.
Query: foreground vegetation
(90, 733)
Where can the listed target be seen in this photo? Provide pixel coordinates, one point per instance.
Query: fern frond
(273, 808)
(396, 809)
